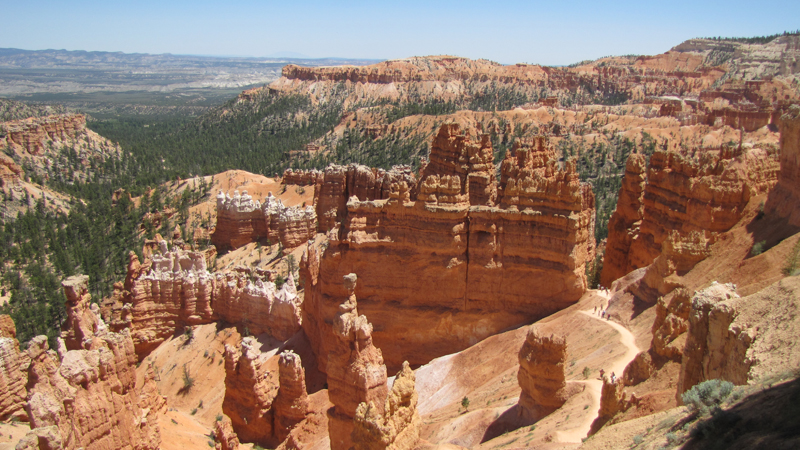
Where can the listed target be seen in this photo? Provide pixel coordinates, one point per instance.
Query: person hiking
(602, 373)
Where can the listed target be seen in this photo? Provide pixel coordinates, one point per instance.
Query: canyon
(274, 310)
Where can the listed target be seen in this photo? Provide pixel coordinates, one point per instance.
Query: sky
(550, 33)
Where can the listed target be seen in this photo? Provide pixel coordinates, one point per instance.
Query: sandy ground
(11, 433)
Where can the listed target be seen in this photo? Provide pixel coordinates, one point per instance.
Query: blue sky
(552, 32)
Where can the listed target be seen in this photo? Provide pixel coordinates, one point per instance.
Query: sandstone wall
(173, 289)
(301, 177)
(701, 190)
(541, 375)
(13, 373)
(440, 265)
(784, 201)
(242, 220)
(87, 396)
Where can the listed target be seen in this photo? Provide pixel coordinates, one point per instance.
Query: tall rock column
(356, 373)
(784, 200)
(291, 403)
(541, 375)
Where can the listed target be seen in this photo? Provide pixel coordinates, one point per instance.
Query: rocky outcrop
(612, 401)
(301, 177)
(173, 289)
(339, 183)
(32, 134)
(87, 397)
(242, 220)
(492, 267)
(250, 389)
(398, 427)
(702, 190)
(671, 324)
(13, 373)
(541, 375)
(713, 349)
(224, 436)
(291, 403)
(356, 373)
(784, 200)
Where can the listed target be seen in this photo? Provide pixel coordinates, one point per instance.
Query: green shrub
(587, 372)
(188, 380)
(638, 439)
(465, 403)
(706, 395)
(758, 248)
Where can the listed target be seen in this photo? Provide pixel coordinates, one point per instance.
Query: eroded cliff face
(356, 373)
(173, 289)
(32, 134)
(541, 375)
(690, 191)
(441, 265)
(398, 427)
(13, 373)
(784, 200)
(86, 396)
(242, 220)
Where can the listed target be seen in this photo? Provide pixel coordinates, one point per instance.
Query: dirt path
(594, 386)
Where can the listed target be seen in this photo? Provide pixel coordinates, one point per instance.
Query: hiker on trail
(603, 314)
(602, 373)
(613, 377)
(595, 309)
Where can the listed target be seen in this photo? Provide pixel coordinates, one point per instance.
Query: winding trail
(595, 386)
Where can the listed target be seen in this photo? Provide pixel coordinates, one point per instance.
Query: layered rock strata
(242, 220)
(784, 200)
(356, 373)
(250, 390)
(86, 396)
(173, 289)
(301, 177)
(700, 190)
(398, 427)
(13, 373)
(541, 375)
(337, 184)
(224, 436)
(441, 265)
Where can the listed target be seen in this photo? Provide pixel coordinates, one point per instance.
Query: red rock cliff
(446, 268)
(784, 201)
(699, 190)
(33, 133)
(13, 372)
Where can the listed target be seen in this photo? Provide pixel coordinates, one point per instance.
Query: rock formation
(338, 184)
(356, 373)
(541, 375)
(612, 401)
(173, 289)
(399, 426)
(291, 403)
(713, 350)
(224, 436)
(13, 373)
(784, 200)
(250, 390)
(442, 267)
(33, 133)
(87, 396)
(701, 190)
(301, 177)
(242, 220)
